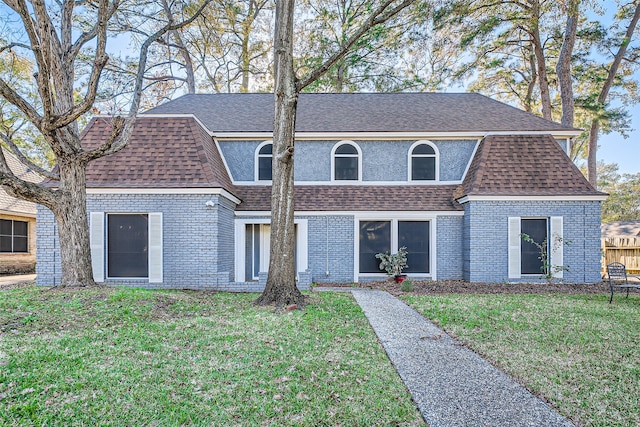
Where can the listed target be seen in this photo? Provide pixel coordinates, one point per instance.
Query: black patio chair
(618, 278)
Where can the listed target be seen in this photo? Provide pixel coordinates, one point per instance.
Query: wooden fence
(621, 249)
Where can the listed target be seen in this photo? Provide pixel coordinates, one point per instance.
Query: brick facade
(486, 230)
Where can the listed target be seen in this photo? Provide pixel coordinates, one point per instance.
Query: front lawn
(578, 351)
(106, 356)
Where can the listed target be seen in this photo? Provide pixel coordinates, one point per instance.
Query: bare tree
(281, 286)
(50, 32)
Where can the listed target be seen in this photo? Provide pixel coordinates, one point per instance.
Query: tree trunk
(563, 68)
(281, 287)
(73, 232)
(604, 94)
(593, 146)
(543, 81)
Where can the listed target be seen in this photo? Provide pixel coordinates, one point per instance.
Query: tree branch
(379, 16)
(26, 190)
(25, 161)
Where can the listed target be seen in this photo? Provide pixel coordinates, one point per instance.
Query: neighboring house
(621, 243)
(17, 225)
(456, 178)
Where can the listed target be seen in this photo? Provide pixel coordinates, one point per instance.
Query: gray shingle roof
(361, 112)
(171, 152)
(11, 204)
(532, 165)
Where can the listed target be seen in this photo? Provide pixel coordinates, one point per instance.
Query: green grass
(578, 351)
(134, 357)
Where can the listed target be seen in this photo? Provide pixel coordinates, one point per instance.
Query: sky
(613, 148)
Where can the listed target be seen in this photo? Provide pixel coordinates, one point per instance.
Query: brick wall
(449, 247)
(197, 239)
(485, 234)
(331, 255)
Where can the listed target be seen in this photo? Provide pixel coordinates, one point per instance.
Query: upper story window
(264, 156)
(423, 162)
(346, 159)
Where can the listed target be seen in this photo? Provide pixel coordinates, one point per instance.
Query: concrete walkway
(451, 384)
(18, 278)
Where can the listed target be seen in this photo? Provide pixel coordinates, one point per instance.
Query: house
(456, 178)
(621, 243)
(17, 224)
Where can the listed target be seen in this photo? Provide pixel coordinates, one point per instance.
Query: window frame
(394, 220)
(13, 236)
(333, 160)
(523, 242)
(106, 246)
(410, 157)
(256, 161)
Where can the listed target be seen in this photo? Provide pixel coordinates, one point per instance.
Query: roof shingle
(356, 198)
(532, 165)
(12, 204)
(361, 112)
(170, 152)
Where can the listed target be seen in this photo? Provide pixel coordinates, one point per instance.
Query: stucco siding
(382, 161)
(486, 231)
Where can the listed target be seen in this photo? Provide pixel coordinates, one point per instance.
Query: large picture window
(127, 245)
(346, 162)
(536, 229)
(375, 237)
(14, 236)
(387, 236)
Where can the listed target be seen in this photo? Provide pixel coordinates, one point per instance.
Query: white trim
(256, 157)
(585, 198)
(368, 214)
(473, 155)
(410, 156)
(207, 191)
(97, 245)
(382, 136)
(333, 162)
(302, 244)
(556, 249)
(514, 247)
(155, 254)
(359, 183)
(224, 159)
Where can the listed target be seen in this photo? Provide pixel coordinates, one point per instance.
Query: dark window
(423, 163)
(530, 262)
(414, 235)
(14, 236)
(375, 237)
(265, 156)
(346, 163)
(127, 245)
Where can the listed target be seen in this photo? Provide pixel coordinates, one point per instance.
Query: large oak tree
(57, 38)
